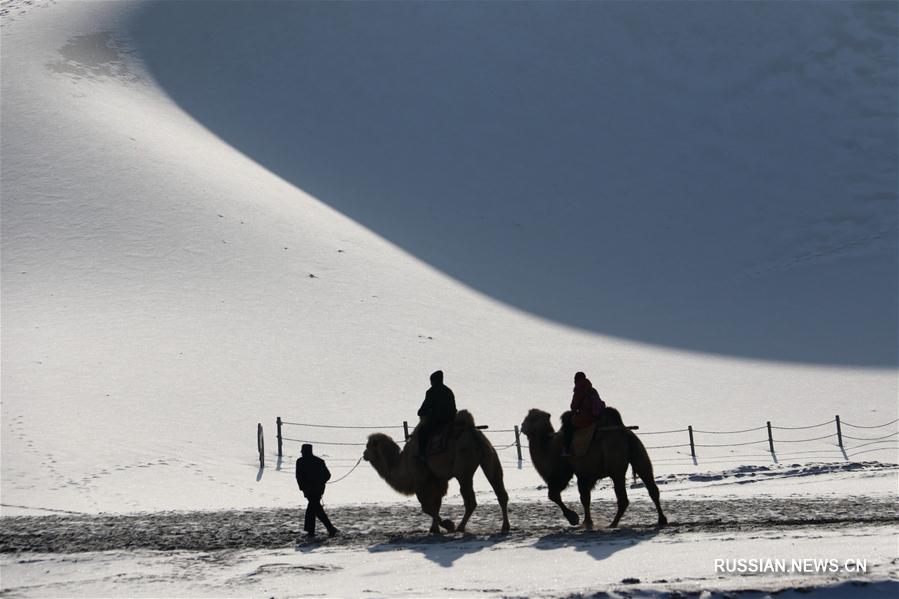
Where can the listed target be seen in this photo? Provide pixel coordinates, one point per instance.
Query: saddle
(581, 440)
(583, 437)
(439, 440)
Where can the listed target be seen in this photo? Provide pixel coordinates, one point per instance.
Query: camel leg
(493, 470)
(438, 501)
(445, 522)
(468, 496)
(654, 495)
(437, 522)
(555, 495)
(448, 525)
(431, 506)
(584, 489)
(620, 481)
(435, 519)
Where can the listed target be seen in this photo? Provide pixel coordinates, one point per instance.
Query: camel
(467, 448)
(609, 455)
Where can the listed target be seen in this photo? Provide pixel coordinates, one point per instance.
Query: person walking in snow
(312, 474)
(586, 407)
(437, 411)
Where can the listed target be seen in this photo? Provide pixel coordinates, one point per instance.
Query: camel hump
(610, 417)
(464, 418)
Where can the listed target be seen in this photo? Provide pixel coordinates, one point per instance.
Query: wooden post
(518, 442)
(280, 439)
(405, 430)
(692, 446)
(839, 432)
(770, 438)
(260, 444)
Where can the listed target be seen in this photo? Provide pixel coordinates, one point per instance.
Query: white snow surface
(475, 568)
(168, 281)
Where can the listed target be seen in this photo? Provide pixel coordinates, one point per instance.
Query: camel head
(384, 455)
(380, 449)
(537, 423)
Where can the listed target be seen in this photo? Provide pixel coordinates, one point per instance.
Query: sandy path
(367, 525)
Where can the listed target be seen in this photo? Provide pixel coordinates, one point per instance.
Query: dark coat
(312, 474)
(582, 404)
(439, 406)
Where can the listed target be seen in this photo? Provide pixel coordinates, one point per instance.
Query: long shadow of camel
(445, 550)
(625, 168)
(599, 544)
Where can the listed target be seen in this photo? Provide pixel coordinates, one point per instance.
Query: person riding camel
(437, 411)
(586, 408)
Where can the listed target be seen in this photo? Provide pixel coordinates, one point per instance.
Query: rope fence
(668, 446)
(871, 439)
(730, 444)
(677, 430)
(838, 446)
(797, 428)
(332, 426)
(804, 440)
(875, 426)
(320, 442)
(745, 430)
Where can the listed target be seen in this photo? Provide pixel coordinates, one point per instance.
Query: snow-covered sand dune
(165, 288)
(214, 214)
(707, 176)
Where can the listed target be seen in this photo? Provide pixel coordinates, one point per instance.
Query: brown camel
(609, 455)
(467, 448)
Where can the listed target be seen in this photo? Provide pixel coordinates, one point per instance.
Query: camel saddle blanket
(581, 440)
(437, 442)
(440, 439)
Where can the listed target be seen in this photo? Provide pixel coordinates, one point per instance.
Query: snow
(554, 564)
(216, 214)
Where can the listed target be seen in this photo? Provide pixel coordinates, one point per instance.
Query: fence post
(770, 438)
(839, 432)
(518, 442)
(280, 440)
(405, 430)
(260, 444)
(692, 447)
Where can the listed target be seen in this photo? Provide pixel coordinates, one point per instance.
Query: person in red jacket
(585, 407)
